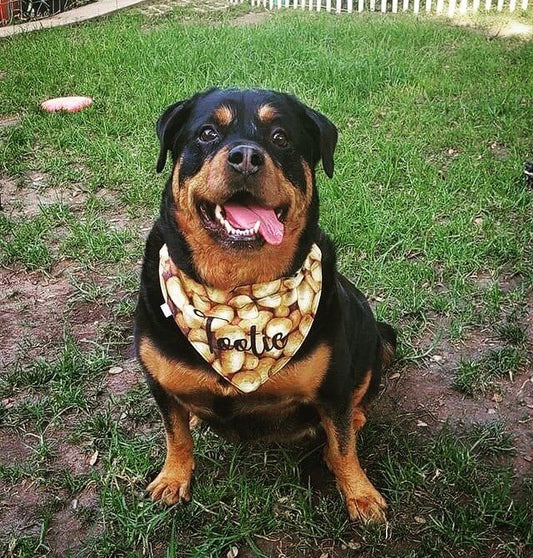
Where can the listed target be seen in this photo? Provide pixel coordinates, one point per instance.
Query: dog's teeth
(231, 230)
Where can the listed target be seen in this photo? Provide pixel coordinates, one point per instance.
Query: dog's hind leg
(363, 501)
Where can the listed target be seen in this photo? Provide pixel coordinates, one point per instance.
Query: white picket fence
(416, 6)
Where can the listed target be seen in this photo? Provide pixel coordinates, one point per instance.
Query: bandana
(251, 332)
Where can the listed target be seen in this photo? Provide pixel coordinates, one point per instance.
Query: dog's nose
(246, 159)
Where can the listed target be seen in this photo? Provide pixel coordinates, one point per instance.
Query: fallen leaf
(419, 519)
(394, 376)
(115, 370)
(8, 403)
(94, 458)
(436, 358)
(354, 545)
(421, 423)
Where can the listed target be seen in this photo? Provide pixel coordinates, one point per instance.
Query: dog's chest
(205, 393)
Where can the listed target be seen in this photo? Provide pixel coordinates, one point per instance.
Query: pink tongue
(245, 217)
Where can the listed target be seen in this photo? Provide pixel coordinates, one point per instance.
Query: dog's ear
(168, 126)
(328, 138)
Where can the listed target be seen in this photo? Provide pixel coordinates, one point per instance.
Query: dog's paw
(367, 505)
(170, 489)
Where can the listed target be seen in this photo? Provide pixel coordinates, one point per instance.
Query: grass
(479, 375)
(41, 241)
(431, 216)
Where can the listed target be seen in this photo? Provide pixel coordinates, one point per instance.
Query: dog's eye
(208, 134)
(280, 138)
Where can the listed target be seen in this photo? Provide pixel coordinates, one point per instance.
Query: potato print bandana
(251, 332)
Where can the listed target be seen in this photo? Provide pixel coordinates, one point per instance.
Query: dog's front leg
(173, 483)
(363, 501)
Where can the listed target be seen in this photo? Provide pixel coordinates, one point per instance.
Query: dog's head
(242, 189)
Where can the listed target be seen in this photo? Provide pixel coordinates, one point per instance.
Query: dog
(242, 319)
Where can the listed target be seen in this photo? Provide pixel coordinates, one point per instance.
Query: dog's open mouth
(243, 221)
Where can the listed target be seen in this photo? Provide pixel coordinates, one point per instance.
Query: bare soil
(32, 315)
(27, 197)
(423, 393)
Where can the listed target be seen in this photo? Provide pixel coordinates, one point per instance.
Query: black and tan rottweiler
(243, 320)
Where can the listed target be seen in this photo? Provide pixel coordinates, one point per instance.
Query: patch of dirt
(253, 18)
(87, 319)
(27, 199)
(19, 508)
(37, 309)
(32, 314)
(161, 8)
(424, 393)
(9, 120)
(67, 532)
(20, 516)
(13, 450)
(120, 382)
(69, 457)
(512, 29)
(504, 29)
(499, 150)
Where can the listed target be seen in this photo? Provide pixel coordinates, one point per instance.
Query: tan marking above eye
(267, 113)
(224, 115)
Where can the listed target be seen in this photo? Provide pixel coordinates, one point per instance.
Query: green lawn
(431, 215)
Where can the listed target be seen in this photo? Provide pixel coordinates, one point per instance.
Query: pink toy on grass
(70, 104)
